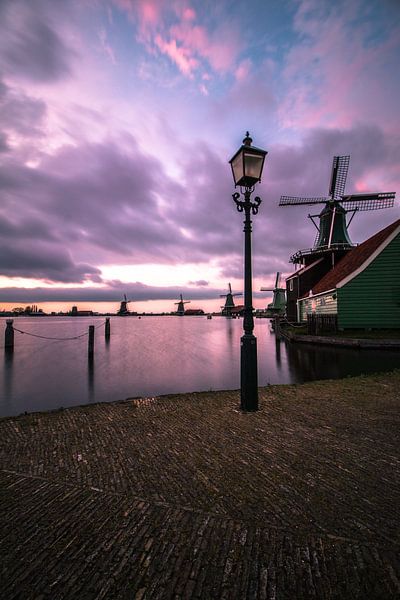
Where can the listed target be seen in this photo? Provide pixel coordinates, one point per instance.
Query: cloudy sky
(118, 118)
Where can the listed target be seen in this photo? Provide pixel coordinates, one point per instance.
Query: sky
(118, 119)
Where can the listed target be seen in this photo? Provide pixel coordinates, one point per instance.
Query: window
(291, 285)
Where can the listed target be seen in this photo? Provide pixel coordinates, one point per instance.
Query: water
(156, 355)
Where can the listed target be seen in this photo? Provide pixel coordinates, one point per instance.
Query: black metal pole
(248, 351)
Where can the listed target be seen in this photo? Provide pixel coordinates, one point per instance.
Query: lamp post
(247, 165)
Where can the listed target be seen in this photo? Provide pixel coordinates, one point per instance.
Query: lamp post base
(248, 373)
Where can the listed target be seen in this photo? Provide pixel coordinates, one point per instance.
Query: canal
(149, 356)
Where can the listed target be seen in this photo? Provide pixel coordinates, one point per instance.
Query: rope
(292, 324)
(45, 337)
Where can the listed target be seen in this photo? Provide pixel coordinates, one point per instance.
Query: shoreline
(368, 343)
(146, 400)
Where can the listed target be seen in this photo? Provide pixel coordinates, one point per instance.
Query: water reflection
(91, 379)
(309, 362)
(8, 375)
(278, 343)
(230, 340)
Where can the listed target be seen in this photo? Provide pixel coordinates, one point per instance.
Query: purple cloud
(30, 45)
(110, 293)
(199, 283)
(21, 114)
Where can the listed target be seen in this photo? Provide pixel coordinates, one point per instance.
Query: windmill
(181, 307)
(278, 304)
(229, 303)
(332, 235)
(123, 309)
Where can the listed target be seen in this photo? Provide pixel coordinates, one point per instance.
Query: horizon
(119, 118)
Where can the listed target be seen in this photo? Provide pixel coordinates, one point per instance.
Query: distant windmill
(181, 307)
(123, 309)
(229, 303)
(332, 234)
(278, 304)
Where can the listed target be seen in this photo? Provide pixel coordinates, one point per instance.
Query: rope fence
(10, 329)
(46, 337)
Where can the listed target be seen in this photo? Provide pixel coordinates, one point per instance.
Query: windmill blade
(294, 200)
(278, 276)
(340, 167)
(368, 201)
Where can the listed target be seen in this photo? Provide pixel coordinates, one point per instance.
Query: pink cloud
(243, 70)
(149, 12)
(188, 14)
(219, 48)
(180, 55)
(361, 186)
(334, 76)
(173, 30)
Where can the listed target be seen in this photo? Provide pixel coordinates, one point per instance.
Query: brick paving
(186, 497)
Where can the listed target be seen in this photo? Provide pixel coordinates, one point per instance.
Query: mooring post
(9, 335)
(107, 328)
(91, 341)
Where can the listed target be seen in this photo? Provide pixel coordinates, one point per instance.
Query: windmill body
(181, 306)
(123, 309)
(278, 304)
(332, 240)
(229, 302)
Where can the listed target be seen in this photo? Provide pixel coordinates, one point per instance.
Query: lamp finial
(247, 140)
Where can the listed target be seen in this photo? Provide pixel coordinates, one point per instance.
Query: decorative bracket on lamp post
(242, 204)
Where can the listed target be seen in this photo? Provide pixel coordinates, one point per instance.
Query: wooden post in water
(107, 328)
(91, 342)
(9, 335)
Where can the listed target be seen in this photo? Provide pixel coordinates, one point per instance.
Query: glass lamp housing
(247, 164)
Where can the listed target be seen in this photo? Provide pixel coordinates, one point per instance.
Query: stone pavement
(186, 497)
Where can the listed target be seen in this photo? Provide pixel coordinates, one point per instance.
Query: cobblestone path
(187, 497)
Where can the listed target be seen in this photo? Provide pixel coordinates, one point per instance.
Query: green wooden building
(363, 289)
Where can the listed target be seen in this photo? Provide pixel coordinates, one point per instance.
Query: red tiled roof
(354, 259)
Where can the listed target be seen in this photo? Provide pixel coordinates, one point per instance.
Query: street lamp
(247, 165)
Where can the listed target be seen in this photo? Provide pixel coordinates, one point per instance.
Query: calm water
(156, 355)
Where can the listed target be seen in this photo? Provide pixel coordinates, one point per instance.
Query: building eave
(316, 295)
(304, 269)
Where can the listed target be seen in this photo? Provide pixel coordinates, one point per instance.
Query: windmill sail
(332, 230)
(340, 168)
(294, 200)
(369, 201)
